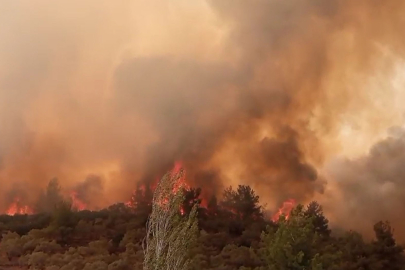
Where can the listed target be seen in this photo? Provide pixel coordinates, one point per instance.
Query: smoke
(370, 188)
(261, 92)
(89, 192)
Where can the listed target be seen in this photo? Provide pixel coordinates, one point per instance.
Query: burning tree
(169, 233)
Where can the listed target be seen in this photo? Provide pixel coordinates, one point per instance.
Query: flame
(17, 208)
(288, 205)
(131, 202)
(76, 202)
(180, 184)
(178, 165)
(204, 202)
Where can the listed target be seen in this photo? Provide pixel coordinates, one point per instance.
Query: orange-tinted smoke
(250, 92)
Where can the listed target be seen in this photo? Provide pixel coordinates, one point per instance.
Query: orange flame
(284, 210)
(76, 202)
(204, 202)
(130, 203)
(181, 182)
(17, 208)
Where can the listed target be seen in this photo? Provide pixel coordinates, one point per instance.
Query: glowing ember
(17, 208)
(284, 210)
(76, 202)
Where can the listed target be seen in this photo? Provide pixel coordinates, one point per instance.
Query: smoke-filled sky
(296, 98)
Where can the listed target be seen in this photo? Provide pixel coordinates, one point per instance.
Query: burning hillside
(141, 197)
(18, 208)
(107, 96)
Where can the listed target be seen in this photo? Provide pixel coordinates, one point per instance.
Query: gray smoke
(370, 188)
(251, 92)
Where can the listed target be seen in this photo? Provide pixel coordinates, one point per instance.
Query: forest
(233, 233)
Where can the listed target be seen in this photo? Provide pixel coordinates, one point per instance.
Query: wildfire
(141, 191)
(143, 195)
(76, 202)
(17, 208)
(128, 204)
(180, 184)
(284, 210)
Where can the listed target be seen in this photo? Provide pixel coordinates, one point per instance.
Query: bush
(37, 260)
(99, 265)
(120, 265)
(11, 245)
(49, 247)
(52, 267)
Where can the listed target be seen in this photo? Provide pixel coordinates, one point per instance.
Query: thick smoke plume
(370, 188)
(261, 92)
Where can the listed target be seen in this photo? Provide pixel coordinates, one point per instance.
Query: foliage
(233, 234)
(290, 245)
(242, 203)
(169, 234)
(51, 197)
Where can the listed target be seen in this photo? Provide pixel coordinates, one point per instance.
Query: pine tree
(389, 255)
(321, 224)
(242, 202)
(290, 245)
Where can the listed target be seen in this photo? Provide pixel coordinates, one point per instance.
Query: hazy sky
(287, 96)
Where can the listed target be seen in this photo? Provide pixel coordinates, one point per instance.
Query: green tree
(234, 257)
(63, 215)
(169, 234)
(191, 198)
(212, 206)
(242, 203)
(51, 197)
(355, 253)
(290, 245)
(389, 255)
(141, 199)
(314, 211)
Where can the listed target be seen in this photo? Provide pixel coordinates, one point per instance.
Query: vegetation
(231, 233)
(169, 236)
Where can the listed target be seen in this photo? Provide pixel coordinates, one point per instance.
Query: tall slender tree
(169, 234)
(51, 197)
